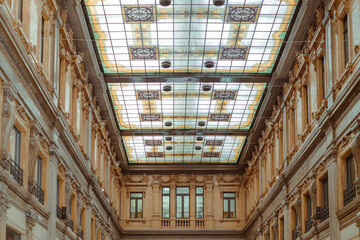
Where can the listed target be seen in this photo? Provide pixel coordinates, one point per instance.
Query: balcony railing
(165, 223)
(39, 194)
(308, 224)
(324, 212)
(349, 194)
(199, 223)
(17, 172)
(58, 212)
(182, 223)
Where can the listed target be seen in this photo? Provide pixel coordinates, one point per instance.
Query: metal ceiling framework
(206, 112)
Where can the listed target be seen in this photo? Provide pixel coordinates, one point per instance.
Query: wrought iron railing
(308, 224)
(39, 194)
(324, 212)
(349, 194)
(17, 172)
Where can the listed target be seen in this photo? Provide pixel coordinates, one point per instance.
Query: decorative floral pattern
(220, 117)
(150, 117)
(239, 53)
(140, 53)
(136, 14)
(224, 95)
(213, 142)
(151, 94)
(211, 154)
(241, 14)
(153, 143)
(154, 154)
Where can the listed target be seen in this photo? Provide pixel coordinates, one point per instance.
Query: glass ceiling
(242, 36)
(180, 121)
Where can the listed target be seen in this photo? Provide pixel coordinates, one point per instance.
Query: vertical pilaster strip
(333, 196)
(52, 180)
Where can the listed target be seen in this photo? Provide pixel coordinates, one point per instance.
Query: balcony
(39, 194)
(17, 172)
(324, 213)
(165, 223)
(349, 194)
(189, 223)
(199, 223)
(182, 223)
(308, 224)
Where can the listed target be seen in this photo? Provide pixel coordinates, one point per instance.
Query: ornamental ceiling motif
(175, 121)
(134, 37)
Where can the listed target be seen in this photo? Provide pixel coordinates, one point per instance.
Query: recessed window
(20, 9)
(350, 191)
(42, 40)
(229, 205)
(323, 79)
(166, 202)
(308, 222)
(325, 198)
(136, 205)
(182, 202)
(346, 39)
(15, 150)
(39, 192)
(199, 202)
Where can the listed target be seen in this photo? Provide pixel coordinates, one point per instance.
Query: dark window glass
(350, 171)
(199, 202)
(346, 39)
(39, 172)
(307, 104)
(136, 205)
(42, 40)
(20, 12)
(166, 202)
(323, 80)
(308, 206)
(182, 202)
(12, 235)
(229, 205)
(57, 192)
(325, 191)
(15, 145)
(70, 206)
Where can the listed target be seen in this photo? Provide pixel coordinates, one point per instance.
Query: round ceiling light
(168, 138)
(197, 148)
(206, 88)
(199, 138)
(201, 124)
(209, 64)
(165, 3)
(168, 124)
(166, 64)
(218, 2)
(167, 88)
(168, 148)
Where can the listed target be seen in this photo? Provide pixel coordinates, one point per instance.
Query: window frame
(17, 147)
(162, 201)
(346, 42)
(228, 200)
(137, 199)
(182, 195)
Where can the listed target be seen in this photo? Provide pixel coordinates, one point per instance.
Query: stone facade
(53, 93)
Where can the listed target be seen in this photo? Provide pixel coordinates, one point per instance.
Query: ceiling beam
(186, 132)
(251, 78)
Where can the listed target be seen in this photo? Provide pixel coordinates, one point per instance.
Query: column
(156, 216)
(192, 204)
(88, 209)
(172, 202)
(208, 199)
(4, 205)
(287, 219)
(333, 198)
(52, 181)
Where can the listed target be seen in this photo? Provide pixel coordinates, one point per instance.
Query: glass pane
(199, 206)
(166, 207)
(179, 207)
(199, 190)
(132, 208)
(140, 209)
(186, 207)
(182, 190)
(136, 195)
(12, 144)
(39, 172)
(166, 190)
(229, 195)
(232, 208)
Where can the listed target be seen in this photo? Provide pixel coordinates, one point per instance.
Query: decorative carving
(214, 142)
(344, 142)
(148, 95)
(4, 202)
(153, 143)
(210, 154)
(138, 14)
(182, 178)
(236, 53)
(242, 14)
(150, 117)
(154, 154)
(225, 117)
(224, 95)
(143, 53)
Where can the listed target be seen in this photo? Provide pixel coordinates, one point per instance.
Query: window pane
(178, 206)
(229, 195)
(136, 195)
(199, 206)
(184, 190)
(39, 172)
(132, 208)
(12, 144)
(139, 208)
(166, 190)
(166, 207)
(186, 207)
(232, 208)
(199, 190)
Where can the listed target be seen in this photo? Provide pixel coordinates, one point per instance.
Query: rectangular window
(15, 145)
(308, 206)
(282, 230)
(166, 202)
(199, 202)
(136, 205)
(42, 40)
(182, 202)
(57, 192)
(346, 39)
(229, 205)
(12, 235)
(39, 172)
(323, 80)
(350, 171)
(325, 191)
(307, 104)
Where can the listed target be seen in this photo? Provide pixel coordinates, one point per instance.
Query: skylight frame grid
(264, 65)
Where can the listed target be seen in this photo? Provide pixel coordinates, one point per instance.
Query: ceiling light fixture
(168, 138)
(197, 148)
(218, 2)
(206, 88)
(167, 88)
(199, 138)
(166, 64)
(168, 148)
(165, 3)
(209, 64)
(201, 124)
(168, 124)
